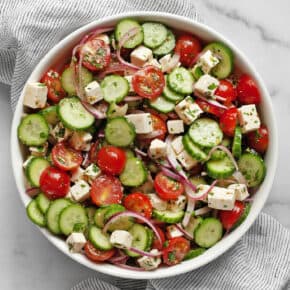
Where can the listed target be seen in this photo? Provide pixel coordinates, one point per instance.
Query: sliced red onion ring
(86, 161)
(201, 195)
(132, 268)
(147, 254)
(98, 114)
(101, 134)
(240, 177)
(32, 191)
(212, 102)
(202, 210)
(140, 152)
(173, 62)
(119, 260)
(116, 67)
(186, 234)
(171, 174)
(132, 98)
(95, 32)
(188, 212)
(151, 135)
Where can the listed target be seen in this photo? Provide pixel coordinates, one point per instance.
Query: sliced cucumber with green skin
(35, 214)
(50, 115)
(115, 110)
(162, 105)
(237, 143)
(167, 46)
(193, 150)
(119, 132)
(197, 72)
(253, 168)
(171, 95)
(194, 253)
(170, 217)
(129, 153)
(34, 170)
(181, 81)
(72, 215)
(99, 239)
(205, 132)
(150, 239)
(123, 27)
(226, 142)
(208, 233)
(91, 211)
(53, 213)
(134, 173)
(122, 223)
(113, 209)
(154, 34)
(218, 155)
(33, 130)
(243, 216)
(43, 202)
(194, 222)
(220, 169)
(73, 114)
(226, 59)
(99, 218)
(114, 88)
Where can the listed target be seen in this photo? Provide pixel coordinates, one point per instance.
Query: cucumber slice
(218, 155)
(119, 132)
(237, 143)
(73, 114)
(167, 46)
(122, 223)
(123, 27)
(227, 142)
(114, 88)
(196, 180)
(99, 239)
(115, 110)
(150, 240)
(53, 213)
(170, 95)
(226, 59)
(154, 34)
(34, 214)
(134, 173)
(170, 217)
(162, 105)
(197, 72)
(208, 233)
(206, 133)
(181, 81)
(99, 217)
(34, 170)
(193, 150)
(220, 169)
(72, 215)
(194, 222)
(91, 211)
(33, 130)
(113, 209)
(194, 253)
(129, 153)
(43, 202)
(253, 168)
(50, 115)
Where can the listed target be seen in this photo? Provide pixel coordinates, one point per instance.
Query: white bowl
(63, 48)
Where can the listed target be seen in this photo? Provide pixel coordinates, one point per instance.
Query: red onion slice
(212, 102)
(171, 174)
(98, 114)
(116, 67)
(188, 212)
(132, 98)
(32, 191)
(147, 254)
(240, 177)
(186, 234)
(96, 32)
(140, 152)
(202, 211)
(151, 135)
(201, 195)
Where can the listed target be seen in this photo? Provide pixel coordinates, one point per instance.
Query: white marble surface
(260, 29)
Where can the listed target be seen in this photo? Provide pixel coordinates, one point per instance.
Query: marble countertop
(259, 28)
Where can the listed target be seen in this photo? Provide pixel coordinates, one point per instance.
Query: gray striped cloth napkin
(28, 29)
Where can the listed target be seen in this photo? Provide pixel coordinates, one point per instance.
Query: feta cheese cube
(35, 95)
(177, 204)
(39, 151)
(168, 63)
(76, 242)
(186, 160)
(80, 140)
(59, 133)
(206, 86)
(77, 174)
(173, 232)
(149, 263)
(177, 145)
(175, 126)
(188, 111)
(140, 55)
(153, 62)
(93, 92)
(142, 122)
(158, 149)
(92, 172)
(121, 239)
(129, 79)
(241, 191)
(104, 37)
(208, 61)
(157, 202)
(80, 191)
(249, 118)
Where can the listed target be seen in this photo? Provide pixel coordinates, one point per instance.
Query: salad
(145, 148)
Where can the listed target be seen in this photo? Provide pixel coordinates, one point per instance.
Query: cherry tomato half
(54, 183)
(97, 255)
(167, 188)
(248, 92)
(156, 243)
(228, 121)
(259, 139)
(227, 91)
(148, 82)
(159, 125)
(230, 217)
(106, 190)
(209, 108)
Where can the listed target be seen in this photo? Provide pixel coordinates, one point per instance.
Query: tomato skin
(54, 183)
(188, 47)
(138, 202)
(175, 251)
(227, 91)
(228, 121)
(156, 243)
(111, 159)
(230, 217)
(166, 187)
(209, 108)
(97, 255)
(106, 190)
(259, 139)
(148, 82)
(248, 92)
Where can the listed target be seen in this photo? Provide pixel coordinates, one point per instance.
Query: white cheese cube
(221, 198)
(80, 191)
(76, 242)
(208, 61)
(153, 62)
(142, 122)
(173, 232)
(93, 92)
(188, 111)
(157, 202)
(60, 133)
(104, 37)
(39, 151)
(167, 63)
(249, 118)
(80, 140)
(177, 145)
(206, 86)
(35, 95)
(121, 239)
(129, 79)
(177, 204)
(140, 55)
(158, 149)
(175, 126)
(77, 174)
(149, 263)
(241, 191)
(92, 172)
(186, 160)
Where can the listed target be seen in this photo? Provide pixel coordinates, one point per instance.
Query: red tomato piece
(159, 125)
(148, 82)
(188, 47)
(175, 251)
(248, 92)
(227, 91)
(228, 121)
(54, 183)
(167, 188)
(209, 108)
(259, 139)
(156, 243)
(106, 190)
(97, 255)
(230, 217)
